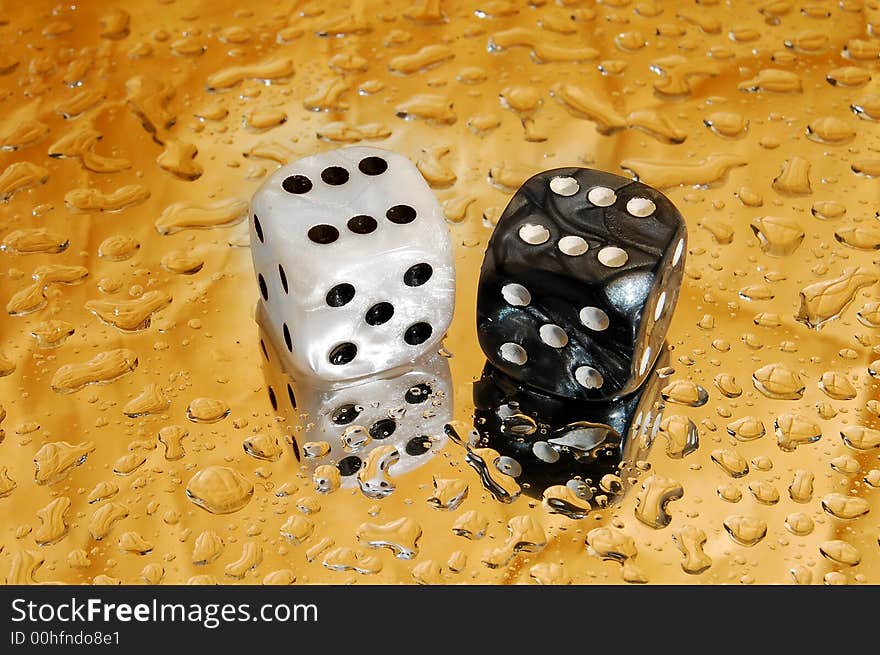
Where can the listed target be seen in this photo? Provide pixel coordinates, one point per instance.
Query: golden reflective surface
(131, 139)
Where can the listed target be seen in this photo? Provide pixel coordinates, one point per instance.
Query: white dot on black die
(588, 377)
(679, 249)
(513, 353)
(553, 335)
(534, 235)
(640, 207)
(613, 257)
(602, 196)
(564, 186)
(661, 303)
(594, 318)
(516, 294)
(646, 357)
(572, 246)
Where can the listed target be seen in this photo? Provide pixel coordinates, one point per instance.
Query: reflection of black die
(560, 442)
(579, 283)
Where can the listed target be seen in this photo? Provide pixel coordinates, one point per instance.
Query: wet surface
(137, 438)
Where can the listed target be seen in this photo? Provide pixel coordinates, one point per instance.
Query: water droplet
(471, 524)
(503, 487)
(33, 241)
(219, 490)
(207, 410)
(778, 236)
(801, 488)
(730, 462)
(561, 499)
(726, 124)
(54, 461)
(730, 492)
(53, 522)
(777, 381)
(860, 437)
(449, 493)
(685, 392)
(130, 315)
(747, 428)
(681, 435)
(799, 524)
(103, 367)
(208, 547)
(823, 301)
(525, 535)
(829, 129)
(373, 478)
(764, 492)
(657, 493)
(189, 215)
(263, 446)
(613, 544)
(151, 400)
(690, 541)
(745, 530)
(837, 386)
(793, 430)
(840, 552)
(845, 507)
(400, 536)
(727, 385)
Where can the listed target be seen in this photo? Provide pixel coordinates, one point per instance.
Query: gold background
(566, 83)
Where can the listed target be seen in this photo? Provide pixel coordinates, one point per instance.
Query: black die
(579, 283)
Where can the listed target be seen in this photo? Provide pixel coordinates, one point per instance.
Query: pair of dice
(357, 278)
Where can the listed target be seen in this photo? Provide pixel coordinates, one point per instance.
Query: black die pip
(579, 283)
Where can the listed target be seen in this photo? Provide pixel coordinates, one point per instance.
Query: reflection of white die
(342, 427)
(354, 264)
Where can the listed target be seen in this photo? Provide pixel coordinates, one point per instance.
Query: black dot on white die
(297, 184)
(323, 234)
(291, 397)
(258, 229)
(345, 414)
(334, 175)
(417, 333)
(283, 277)
(264, 290)
(401, 214)
(417, 394)
(362, 224)
(263, 348)
(379, 313)
(417, 275)
(287, 341)
(343, 354)
(340, 295)
(418, 446)
(349, 465)
(383, 428)
(273, 399)
(372, 166)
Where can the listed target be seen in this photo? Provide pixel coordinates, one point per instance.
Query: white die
(354, 264)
